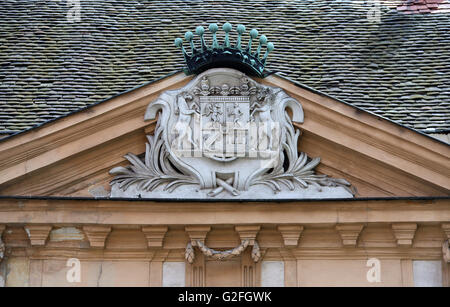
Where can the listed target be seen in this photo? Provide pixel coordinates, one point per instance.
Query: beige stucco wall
(23, 272)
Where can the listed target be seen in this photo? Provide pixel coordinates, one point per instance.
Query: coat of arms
(224, 135)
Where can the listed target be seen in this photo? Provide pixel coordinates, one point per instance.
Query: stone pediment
(73, 155)
(224, 135)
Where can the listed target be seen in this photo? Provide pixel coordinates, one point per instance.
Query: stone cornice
(122, 212)
(58, 140)
(370, 135)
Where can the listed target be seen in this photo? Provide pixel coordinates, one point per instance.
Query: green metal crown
(225, 55)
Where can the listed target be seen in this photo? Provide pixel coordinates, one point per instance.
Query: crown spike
(213, 28)
(269, 49)
(200, 31)
(253, 35)
(240, 29)
(179, 44)
(227, 28)
(238, 56)
(189, 36)
(262, 42)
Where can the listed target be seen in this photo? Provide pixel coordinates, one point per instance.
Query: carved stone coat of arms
(224, 136)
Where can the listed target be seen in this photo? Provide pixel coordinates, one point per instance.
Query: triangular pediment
(72, 156)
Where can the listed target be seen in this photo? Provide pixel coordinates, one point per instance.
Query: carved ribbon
(222, 255)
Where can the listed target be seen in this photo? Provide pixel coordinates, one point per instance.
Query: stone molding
(404, 233)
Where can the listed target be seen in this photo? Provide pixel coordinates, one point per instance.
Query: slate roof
(398, 68)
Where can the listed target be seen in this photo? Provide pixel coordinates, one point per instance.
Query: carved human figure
(204, 86)
(182, 126)
(225, 90)
(263, 110)
(216, 112)
(236, 113)
(245, 89)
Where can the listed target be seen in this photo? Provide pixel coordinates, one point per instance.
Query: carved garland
(446, 251)
(222, 255)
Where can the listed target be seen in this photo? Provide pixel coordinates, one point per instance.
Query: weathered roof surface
(398, 68)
